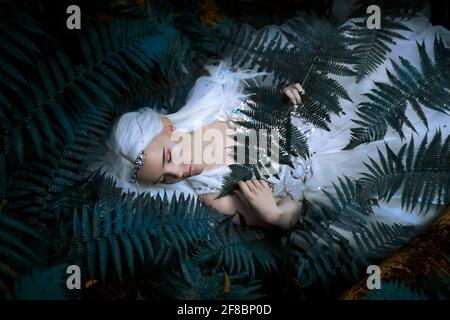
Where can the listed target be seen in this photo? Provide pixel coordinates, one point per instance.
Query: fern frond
(192, 283)
(12, 247)
(380, 238)
(316, 251)
(42, 284)
(421, 174)
(422, 177)
(36, 188)
(124, 48)
(395, 291)
(387, 102)
(239, 252)
(436, 285)
(121, 227)
(371, 46)
(308, 56)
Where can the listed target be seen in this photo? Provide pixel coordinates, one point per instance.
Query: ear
(168, 125)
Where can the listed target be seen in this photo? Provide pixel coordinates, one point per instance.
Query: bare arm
(282, 213)
(290, 213)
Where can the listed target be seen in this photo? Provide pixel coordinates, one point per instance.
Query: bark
(418, 258)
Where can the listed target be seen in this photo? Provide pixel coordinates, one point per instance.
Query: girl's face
(159, 166)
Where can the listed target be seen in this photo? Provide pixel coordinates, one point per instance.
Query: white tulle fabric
(329, 161)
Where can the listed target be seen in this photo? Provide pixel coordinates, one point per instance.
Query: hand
(257, 195)
(293, 92)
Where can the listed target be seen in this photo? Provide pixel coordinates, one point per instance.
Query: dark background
(255, 12)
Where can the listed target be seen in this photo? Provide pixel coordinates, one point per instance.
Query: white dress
(328, 160)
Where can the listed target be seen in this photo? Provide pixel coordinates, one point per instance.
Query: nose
(175, 170)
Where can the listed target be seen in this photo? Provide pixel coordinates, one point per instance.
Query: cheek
(180, 154)
(149, 173)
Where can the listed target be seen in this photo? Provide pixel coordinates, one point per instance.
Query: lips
(189, 171)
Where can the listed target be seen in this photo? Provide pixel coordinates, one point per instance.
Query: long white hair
(211, 96)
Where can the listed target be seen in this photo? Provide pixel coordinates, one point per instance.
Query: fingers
(244, 188)
(261, 184)
(297, 96)
(299, 88)
(265, 184)
(254, 185)
(241, 197)
(250, 187)
(291, 96)
(293, 92)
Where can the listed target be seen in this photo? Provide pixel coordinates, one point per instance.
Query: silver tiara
(138, 163)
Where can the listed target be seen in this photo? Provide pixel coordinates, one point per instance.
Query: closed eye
(169, 158)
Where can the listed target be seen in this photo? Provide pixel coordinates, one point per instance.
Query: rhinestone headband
(138, 163)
